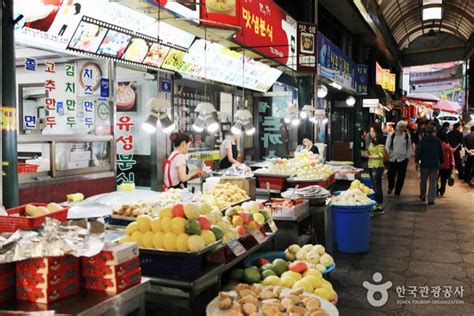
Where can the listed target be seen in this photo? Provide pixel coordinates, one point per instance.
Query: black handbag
(451, 180)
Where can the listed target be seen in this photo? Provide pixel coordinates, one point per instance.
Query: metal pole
(9, 123)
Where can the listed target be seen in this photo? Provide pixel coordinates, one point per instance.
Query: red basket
(27, 167)
(276, 183)
(13, 223)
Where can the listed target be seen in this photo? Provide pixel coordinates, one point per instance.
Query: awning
(447, 106)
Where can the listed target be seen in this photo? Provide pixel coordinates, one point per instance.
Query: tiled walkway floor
(415, 245)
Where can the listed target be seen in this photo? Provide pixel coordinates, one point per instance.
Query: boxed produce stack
(44, 280)
(115, 269)
(7, 282)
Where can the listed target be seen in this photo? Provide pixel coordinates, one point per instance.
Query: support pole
(9, 107)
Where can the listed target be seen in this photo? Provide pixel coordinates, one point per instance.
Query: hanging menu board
(223, 65)
(102, 39)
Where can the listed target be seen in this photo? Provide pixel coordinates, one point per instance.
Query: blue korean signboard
(334, 64)
(361, 79)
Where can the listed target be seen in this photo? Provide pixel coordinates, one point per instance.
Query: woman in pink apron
(175, 171)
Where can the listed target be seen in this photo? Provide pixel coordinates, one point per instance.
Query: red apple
(204, 222)
(178, 211)
(245, 217)
(298, 266)
(240, 230)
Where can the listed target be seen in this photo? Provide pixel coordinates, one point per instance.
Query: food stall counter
(88, 302)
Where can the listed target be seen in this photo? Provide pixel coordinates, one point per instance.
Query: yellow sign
(392, 82)
(385, 78)
(8, 118)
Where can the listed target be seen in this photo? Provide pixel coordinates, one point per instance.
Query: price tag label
(272, 225)
(259, 237)
(236, 247)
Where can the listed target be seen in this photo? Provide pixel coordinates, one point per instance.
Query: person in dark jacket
(456, 140)
(444, 130)
(430, 155)
(469, 143)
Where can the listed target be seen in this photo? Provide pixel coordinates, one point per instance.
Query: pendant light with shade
(243, 117)
(205, 110)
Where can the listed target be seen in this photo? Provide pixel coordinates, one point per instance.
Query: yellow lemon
(137, 237)
(208, 237)
(314, 281)
(131, 228)
(196, 243)
(323, 293)
(166, 225)
(165, 212)
(182, 243)
(294, 275)
(148, 239)
(158, 240)
(272, 280)
(313, 272)
(177, 225)
(156, 225)
(326, 284)
(144, 223)
(301, 284)
(169, 241)
(287, 281)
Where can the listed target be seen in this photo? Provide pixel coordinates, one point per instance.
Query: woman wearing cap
(175, 171)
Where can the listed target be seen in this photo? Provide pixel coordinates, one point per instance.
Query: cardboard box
(105, 271)
(246, 184)
(50, 293)
(116, 284)
(7, 279)
(114, 254)
(46, 265)
(7, 295)
(52, 278)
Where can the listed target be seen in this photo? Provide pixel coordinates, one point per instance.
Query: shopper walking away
(456, 140)
(429, 154)
(447, 167)
(444, 130)
(375, 155)
(469, 143)
(399, 148)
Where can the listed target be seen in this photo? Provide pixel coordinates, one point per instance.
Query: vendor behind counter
(228, 151)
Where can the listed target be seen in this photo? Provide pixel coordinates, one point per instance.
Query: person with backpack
(430, 156)
(399, 148)
(175, 171)
(447, 167)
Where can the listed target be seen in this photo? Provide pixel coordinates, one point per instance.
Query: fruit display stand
(192, 294)
(302, 183)
(87, 302)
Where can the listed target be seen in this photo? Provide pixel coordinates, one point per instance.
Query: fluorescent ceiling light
(432, 14)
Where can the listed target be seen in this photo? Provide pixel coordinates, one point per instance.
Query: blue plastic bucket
(366, 181)
(351, 227)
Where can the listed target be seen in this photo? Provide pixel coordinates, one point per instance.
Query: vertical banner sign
(307, 47)
(268, 30)
(378, 74)
(8, 118)
(125, 160)
(361, 79)
(385, 78)
(52, 93)
(392, 82)
(334, 64)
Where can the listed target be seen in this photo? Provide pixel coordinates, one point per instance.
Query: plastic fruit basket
(19, 220)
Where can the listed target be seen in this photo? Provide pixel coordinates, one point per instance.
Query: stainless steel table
(86, 303)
